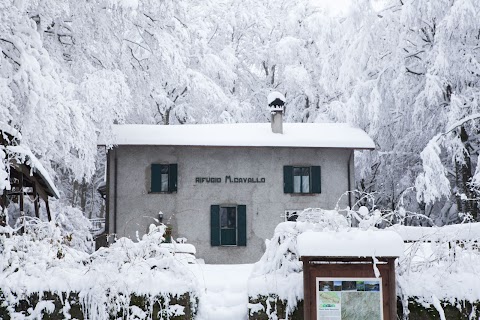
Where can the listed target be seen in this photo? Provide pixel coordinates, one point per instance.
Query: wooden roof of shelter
(25, 171)
(23, 160)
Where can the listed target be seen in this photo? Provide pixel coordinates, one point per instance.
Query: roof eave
(232, 146)
(51, 190)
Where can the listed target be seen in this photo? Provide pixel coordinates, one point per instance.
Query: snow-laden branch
(432, 183)
(460, 122)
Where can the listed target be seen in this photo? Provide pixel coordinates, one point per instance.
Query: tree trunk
(465, 196)
(272, 82)
(74, 193)
(166, 117)
(83, 196)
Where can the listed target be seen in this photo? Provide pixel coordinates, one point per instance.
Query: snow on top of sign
(275, 95)
(316, 135)
(26, 156)
(351, 243)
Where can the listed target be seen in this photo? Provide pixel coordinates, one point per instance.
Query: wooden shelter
(27, 176)
(347, 269)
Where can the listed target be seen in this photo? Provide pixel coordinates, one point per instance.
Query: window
(228, 225)
(301, 180)
(164, 178)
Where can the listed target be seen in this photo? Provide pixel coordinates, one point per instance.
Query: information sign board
(349, 298)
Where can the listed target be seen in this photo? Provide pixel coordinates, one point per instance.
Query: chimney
(276, 103)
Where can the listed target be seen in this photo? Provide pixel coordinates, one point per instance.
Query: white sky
(334, 6)
(339, 7)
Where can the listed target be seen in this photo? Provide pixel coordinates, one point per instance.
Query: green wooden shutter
(242, 225)
(172, 178)
(288, 179)
(316, 180)
(215, 225)
(156, 178)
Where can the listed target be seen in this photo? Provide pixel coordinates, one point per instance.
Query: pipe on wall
(349, 179)
(115, 169)
(107, 202)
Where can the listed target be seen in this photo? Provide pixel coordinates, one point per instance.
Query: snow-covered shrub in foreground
(71, 225)
(74, 226)
(279, 271)
(281, 255)
(441, 264)
(104, 280)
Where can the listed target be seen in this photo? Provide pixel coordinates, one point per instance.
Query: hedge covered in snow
(42, 276)
(437, 276)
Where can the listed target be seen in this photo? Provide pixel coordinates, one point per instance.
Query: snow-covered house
(21, 176)
(225, 187)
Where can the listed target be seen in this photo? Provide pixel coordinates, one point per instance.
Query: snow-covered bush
(74, 227)
(366, 212)
(439, 264)
(104, 281)
(68, 222)
(281, 255)
(280, 271)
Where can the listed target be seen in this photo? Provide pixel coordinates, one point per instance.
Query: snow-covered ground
(223, 290)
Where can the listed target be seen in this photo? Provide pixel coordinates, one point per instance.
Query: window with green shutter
(288, 179)
(215, 225)
(242, 225)
(301, 180)
(228, 225)
(163, 178)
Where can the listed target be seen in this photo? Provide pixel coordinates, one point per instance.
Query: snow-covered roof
(350, 243)
(311, 135)
(274, 96)
(26, 156)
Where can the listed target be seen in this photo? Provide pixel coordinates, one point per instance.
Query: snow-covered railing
(451, 233)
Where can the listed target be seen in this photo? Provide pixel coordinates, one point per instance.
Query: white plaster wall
(188, 210)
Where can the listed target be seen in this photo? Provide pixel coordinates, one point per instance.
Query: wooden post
(3, 200)
(393, 286)
(35, 200)
(48, 210)
(22, 211)
(3, 207)
(307, 298)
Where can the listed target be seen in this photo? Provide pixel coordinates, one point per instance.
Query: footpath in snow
(223, 290)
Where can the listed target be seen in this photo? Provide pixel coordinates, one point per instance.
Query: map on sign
(349, 298)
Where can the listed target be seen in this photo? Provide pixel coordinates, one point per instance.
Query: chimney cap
(276, 101)
(275, 97)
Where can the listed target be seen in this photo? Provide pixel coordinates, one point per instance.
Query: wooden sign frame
(342, 267)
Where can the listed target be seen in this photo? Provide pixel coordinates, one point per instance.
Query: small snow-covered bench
(185, 252)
